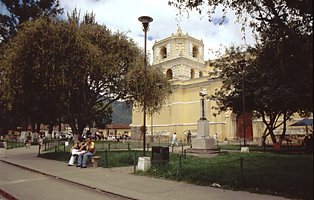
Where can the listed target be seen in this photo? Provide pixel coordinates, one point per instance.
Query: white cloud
(123, 15)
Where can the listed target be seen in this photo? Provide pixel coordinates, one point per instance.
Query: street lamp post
(242, 64)
(145, 21)
(152, 130)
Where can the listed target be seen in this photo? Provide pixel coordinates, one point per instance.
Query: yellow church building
(181, 58)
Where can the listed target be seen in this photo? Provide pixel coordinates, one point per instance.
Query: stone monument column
(203, 143)
(202, 124)
(203, 93)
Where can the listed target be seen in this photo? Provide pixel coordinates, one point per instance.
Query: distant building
(116, 130)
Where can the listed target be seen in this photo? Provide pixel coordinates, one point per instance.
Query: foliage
(79, 68)
(269, 91)
(62, 65)
(261, 15)
(154, 91)
(16, 12)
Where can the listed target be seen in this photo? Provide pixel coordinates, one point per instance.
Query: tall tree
(34, 64)
(270, 91)
(56, 69)
(13, 14)
(16, 12)
(154, 91)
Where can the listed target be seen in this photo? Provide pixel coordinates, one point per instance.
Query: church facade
(181, 58)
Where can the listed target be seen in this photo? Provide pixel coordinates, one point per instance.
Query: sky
(122, 15)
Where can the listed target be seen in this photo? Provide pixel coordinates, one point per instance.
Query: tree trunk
(26, 124)
(73, 128)
(33, 127)
(59, 125)
(50, 129)
(77, 130)
(285, 118)
(38, 128)
(264, 136)
(272, 135)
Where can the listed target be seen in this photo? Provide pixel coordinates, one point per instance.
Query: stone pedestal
(144, 163)
(202, 140)
(203, 143)
(245, 150)
(208, 143)
(202, 128)
(3, 149)
(95, 161)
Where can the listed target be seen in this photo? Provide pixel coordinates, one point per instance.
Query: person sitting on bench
(90, 151)
(76, 150)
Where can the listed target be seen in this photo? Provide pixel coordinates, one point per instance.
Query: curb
(9, 197)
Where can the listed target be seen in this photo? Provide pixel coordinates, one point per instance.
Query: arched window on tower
(201, 74)
(195, 52)
(163, 52)
(169, 74)
(192, 74)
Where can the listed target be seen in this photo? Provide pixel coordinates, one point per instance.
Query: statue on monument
(203, 142)
(203, 93)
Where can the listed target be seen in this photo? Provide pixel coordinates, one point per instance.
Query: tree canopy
(260, 15)
(71, 72)
(16, 12)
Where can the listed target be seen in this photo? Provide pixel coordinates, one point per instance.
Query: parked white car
(111, 138)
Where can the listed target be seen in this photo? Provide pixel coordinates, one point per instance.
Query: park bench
(3, 149)
(95, 161)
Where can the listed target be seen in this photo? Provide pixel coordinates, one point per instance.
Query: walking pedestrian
(189, 136)
(174, 140)
(28, 141)
(216, 139)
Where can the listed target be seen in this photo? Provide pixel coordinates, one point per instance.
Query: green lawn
(268, 173)
(286, 173)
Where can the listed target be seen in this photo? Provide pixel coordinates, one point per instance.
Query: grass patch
(268, 148)
(267, 173)
(287, 173)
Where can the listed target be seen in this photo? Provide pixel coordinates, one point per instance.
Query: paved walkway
(122, 181)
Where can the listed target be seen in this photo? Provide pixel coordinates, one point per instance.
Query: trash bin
(160, 155)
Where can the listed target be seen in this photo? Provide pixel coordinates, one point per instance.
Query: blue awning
(303, 122)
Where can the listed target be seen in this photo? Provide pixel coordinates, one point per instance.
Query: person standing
(28, 141)
(174, 140)
(189, 136)
(90, 151)
(216, 139)
(40, 141)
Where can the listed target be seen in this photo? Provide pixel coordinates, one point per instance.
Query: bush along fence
(270, 173)
(202, 171)
(14, 144)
